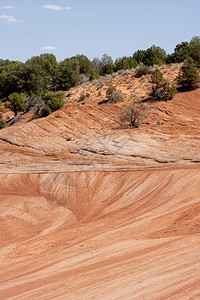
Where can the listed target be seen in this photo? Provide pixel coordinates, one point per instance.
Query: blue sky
(93, 27)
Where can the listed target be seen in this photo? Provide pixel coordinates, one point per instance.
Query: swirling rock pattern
(100, 235)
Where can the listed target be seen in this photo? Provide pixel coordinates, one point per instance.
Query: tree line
(37, 83)
(44, 73)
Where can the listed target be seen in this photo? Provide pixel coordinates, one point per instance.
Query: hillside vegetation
(37, 84)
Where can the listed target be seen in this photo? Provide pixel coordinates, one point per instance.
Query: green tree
(155, 56)
(37, 74)
(11, 78)
(139, 56)
(107, 66)
(162, 89)
(152, 56)
(67, 76)
(181, 52)
(195, 50)
(16, 102)
(188, 77)
(84, 63)
(107, 69)
(50, 65)
(124, 63)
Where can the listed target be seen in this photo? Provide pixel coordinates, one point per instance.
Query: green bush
(46, 111)
(56, 103)
(49, 96)
(113, 95)
(169, 90)
(16, 102)
(2, 123)
(110, 90)
(188, 77)
(107, 69)
(82, 97)
(94, 75)
(53, 101)
(125, 63)
(141, 70)
(87, 95)
(162, 89)
(116, 96)
(157, 78)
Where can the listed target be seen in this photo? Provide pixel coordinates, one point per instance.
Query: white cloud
(48, 48)
(8, 7)
(9, 19)
(56, 7)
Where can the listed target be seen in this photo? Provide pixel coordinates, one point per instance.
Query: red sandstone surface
(92, 211)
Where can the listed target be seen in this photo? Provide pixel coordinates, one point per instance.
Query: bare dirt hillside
(89, 210)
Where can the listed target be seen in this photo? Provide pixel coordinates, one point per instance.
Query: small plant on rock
(113, 95)
(133, 115)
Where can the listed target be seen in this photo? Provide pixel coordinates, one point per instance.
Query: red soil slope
(83, 137)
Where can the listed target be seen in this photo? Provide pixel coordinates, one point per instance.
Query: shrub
(49, 96)
(157, 78)
(16, 102)
(162, 89)
(54, 100)
(82, 97)
(2, 123)
(56, 103)
(46, 111)
(116, 96)
(33, 102)
(110, 90)
(107, 69)
(169, 90)
(94, 75)
(141, 70)
(87, 95)
(133, 115)
(113, 95)
(188, 77)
